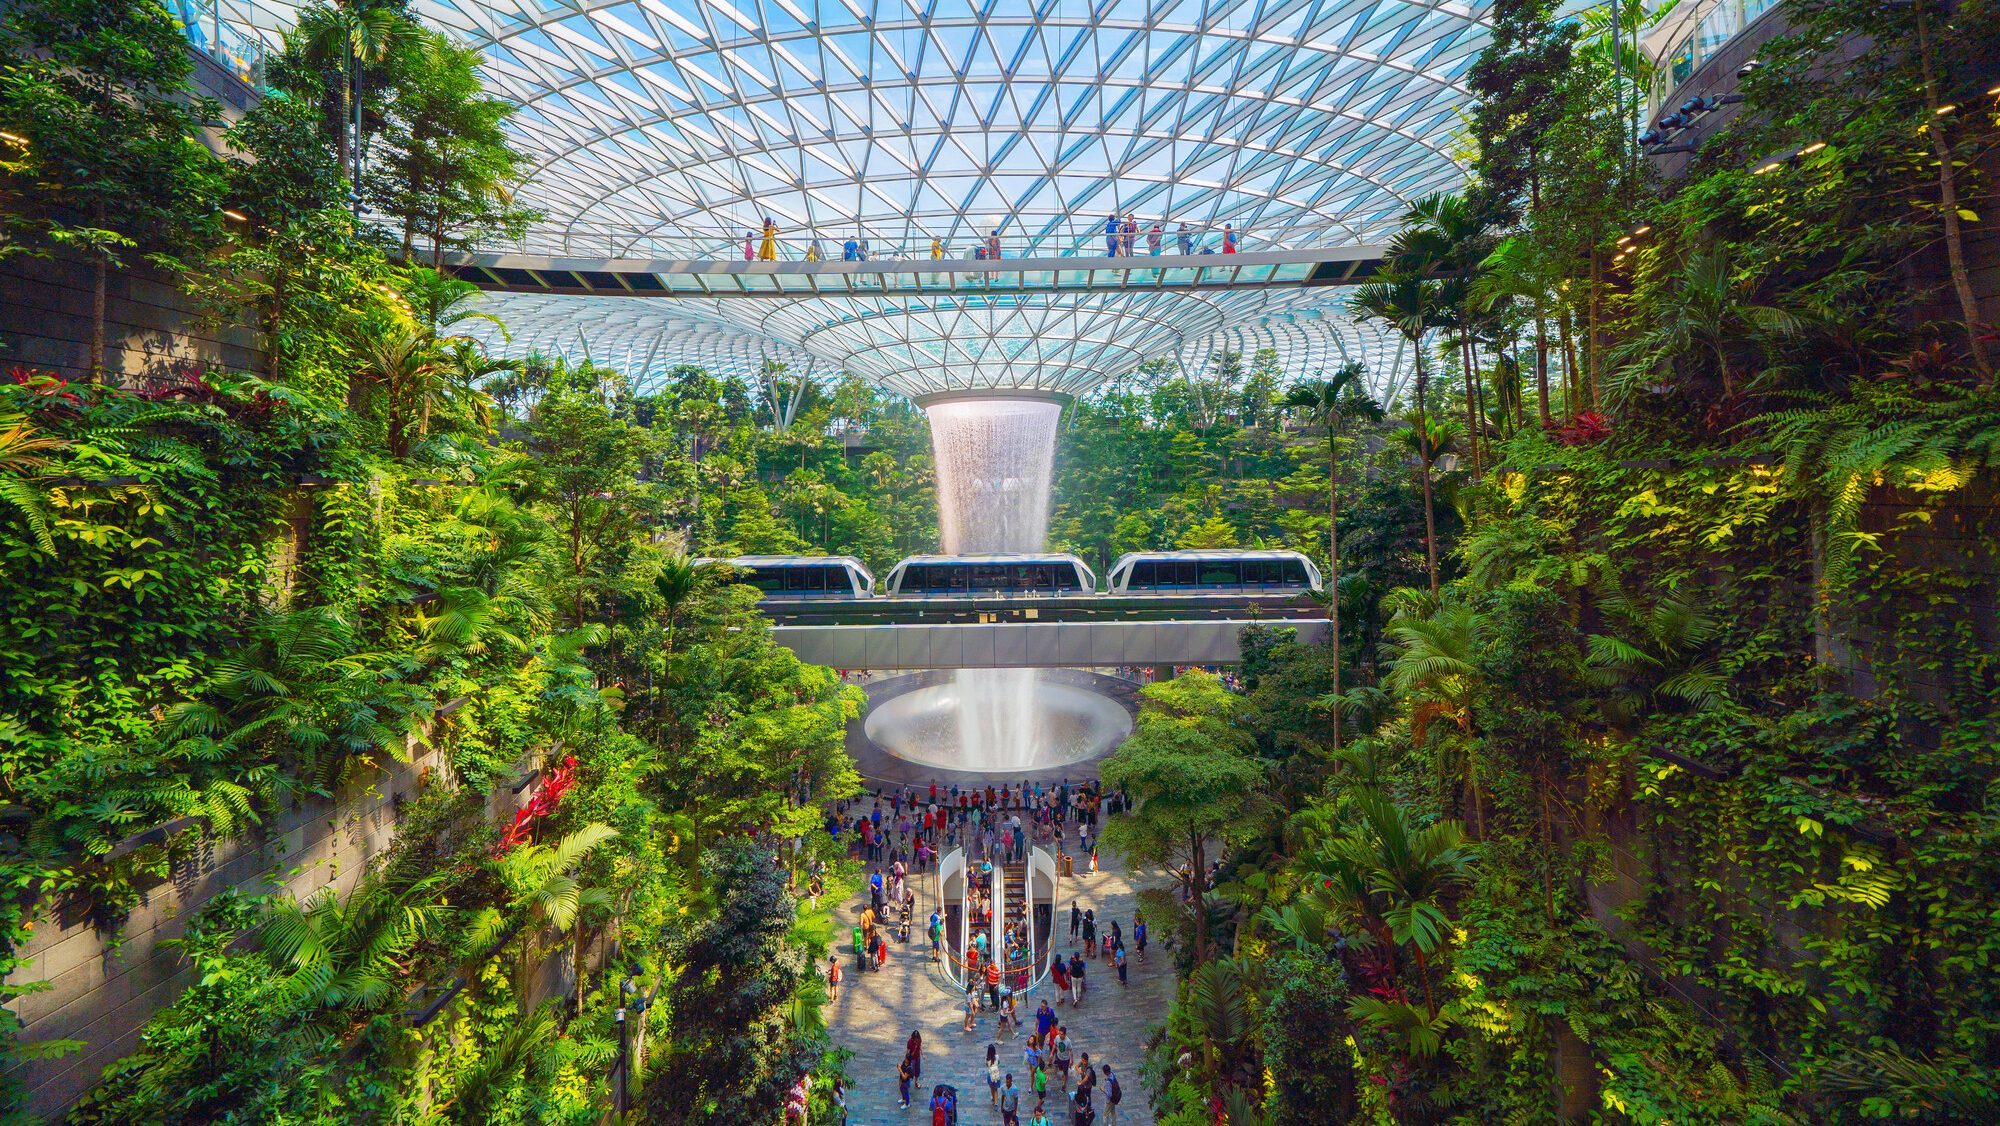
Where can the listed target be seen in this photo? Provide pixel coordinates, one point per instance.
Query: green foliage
(734, 1050)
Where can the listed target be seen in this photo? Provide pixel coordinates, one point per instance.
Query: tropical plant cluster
(230, 596)
(1664, 794)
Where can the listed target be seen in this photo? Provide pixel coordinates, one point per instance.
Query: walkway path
(876, 1012)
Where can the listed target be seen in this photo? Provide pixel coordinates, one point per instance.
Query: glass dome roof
(670, 128)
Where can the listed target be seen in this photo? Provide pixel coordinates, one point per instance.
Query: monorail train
(802, 576)
(989, 574)
(1197, 572)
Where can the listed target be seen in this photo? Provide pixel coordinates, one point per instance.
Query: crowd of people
(912, 826)
(1121, 240)
(899, 831)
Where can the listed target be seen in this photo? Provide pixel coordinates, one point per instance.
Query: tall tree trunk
(100, 280)
(1542, 361)
(1424, 468)
(1333, 558)
(1568, 343)
(1596, 284)
(1198, 895)
(1468, 359)
(1954, 235)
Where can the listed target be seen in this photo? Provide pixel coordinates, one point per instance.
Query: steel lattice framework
(670, 128)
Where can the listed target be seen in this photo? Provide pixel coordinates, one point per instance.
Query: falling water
(993, 459)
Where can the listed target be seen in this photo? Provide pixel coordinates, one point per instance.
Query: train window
(1183, 574)
(1252, 571)
(803, 579)
(1141, 575)
(1220, 572)
(1291, 572)
(1066, 577)
(770, 580)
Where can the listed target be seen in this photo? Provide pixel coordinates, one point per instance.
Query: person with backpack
(903, 1079)
(1113, 1095)
(1076, 972)
(993, 1072)
(1089, 935)
(832, 979)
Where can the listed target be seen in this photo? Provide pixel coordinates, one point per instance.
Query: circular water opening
(997, 721)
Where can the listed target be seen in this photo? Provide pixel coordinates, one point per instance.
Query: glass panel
(767, 579)
(1142, 576)
(1220, 572)
(1183, 573)
(1294, 573)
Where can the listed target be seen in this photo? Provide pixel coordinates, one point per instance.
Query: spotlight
(1651, 137)
(1944, 109)
(236, 215)
(1768, 166)
(1812, 148)
(21, 141)
(1671, 121)
(1641, 229)
(1692, 106)
(1747, 69)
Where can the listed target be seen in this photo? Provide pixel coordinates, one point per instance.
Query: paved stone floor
(875, 1013)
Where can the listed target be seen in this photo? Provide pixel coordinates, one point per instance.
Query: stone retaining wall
(103, 992)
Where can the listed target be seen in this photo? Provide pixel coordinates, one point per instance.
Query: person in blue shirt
(850, 251)
(1111, 237)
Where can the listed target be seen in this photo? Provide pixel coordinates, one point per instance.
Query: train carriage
(945, 575)
(1212, 572)
(793, 577)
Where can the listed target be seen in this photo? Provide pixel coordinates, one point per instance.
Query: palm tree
(1519, 270)
(541, 880)
(1392, 876)
(348, 955)
(1445, 236)
(401, 360)
(1433, 668)
(1703, 308)
(1409, 303)
(1322, 401)
(346, 36)
(1219, 1005)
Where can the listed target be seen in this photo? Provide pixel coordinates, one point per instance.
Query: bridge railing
(913, 243)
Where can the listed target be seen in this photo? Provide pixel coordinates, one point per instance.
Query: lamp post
(618, 1084)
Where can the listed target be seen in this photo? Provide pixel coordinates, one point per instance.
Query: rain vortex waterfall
(994, 458)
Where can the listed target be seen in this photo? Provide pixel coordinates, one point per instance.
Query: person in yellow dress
(937, 248)
(768, 250)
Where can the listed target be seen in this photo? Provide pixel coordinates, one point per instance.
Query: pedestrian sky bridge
(626, 277)
(1086, 631)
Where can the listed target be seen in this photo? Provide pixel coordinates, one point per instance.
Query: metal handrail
(1060, 239)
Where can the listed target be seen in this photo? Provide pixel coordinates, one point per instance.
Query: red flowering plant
(541, 805)
(1586, 429)
(45, 390)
